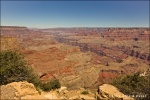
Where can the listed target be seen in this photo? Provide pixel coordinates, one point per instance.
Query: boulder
(17, 90)
(109, 92)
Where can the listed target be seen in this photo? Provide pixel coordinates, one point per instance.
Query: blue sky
(46, 14)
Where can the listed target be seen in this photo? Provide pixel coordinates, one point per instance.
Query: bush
(85, 92)
(53, 84)
(133, 85)
(15, 69)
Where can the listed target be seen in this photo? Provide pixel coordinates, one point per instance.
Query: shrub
(52, 84)
(14, 69)
(133, 85)
(85, 92)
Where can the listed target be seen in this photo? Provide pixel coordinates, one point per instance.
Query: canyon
(80, 57)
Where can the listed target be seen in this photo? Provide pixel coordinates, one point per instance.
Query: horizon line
(75, 27)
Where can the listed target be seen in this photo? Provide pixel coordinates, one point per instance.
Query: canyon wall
(127, 34)
(106, 51)
(12, 28)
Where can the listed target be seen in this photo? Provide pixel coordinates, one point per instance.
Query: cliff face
(112, 52)
(12, 28)
(127, 34)
(12, 31)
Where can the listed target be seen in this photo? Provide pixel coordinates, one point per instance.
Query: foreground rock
(17, 90)
(63, 93)
(25, 90)
(109, 92)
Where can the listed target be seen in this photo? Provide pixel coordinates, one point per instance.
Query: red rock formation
(127, 34)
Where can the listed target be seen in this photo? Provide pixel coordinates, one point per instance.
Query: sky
(50, 14)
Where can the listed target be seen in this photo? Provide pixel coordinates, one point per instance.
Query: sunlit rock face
(17, 90)
(110, 92)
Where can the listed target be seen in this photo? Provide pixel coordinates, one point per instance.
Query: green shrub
(52, 84)
(85, 92)
(133, 85)
(13, 68)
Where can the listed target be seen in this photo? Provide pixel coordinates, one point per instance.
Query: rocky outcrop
(17, 90)
(27, 91)
(109, 92)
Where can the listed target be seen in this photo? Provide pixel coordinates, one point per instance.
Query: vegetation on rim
(13, 68)
(134, 85)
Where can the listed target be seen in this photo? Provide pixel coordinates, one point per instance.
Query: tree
(13, 68)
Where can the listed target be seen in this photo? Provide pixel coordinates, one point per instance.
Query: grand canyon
(81, 57)
(75, 50)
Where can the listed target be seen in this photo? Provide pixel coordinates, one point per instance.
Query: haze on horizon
(49, 14)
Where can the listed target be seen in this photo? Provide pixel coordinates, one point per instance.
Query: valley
(80, 57)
